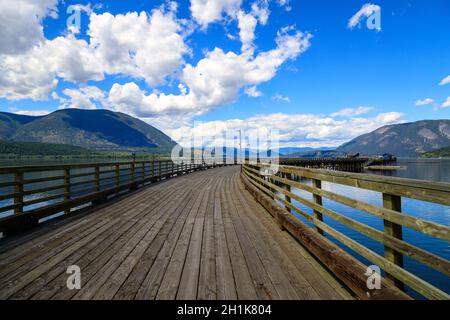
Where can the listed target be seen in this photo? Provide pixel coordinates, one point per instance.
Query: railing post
(18, 190)
(318, 200)
(393, 202)
(287, 176)
(117, 173)
(143, 172)
(97, 178)
(160, 169)
(133, 176)
(153, 170)
(269, 179)
(67, 187)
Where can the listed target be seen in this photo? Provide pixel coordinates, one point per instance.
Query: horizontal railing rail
(29, 194)
(279, 183)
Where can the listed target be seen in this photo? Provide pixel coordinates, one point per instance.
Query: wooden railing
(29, 194)
(278, 183)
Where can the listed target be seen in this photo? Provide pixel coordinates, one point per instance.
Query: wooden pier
(337, 164)
(161, 230)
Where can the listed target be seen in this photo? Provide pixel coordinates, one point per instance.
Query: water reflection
(423, 169)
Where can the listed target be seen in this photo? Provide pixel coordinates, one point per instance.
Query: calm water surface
(426, 169)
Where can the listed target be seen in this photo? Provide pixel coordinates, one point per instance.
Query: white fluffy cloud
(366, 11)
(424, 102)
(446, 103)
(144, 46)
(205, 12)
(445, 81)
(247, 23)
(278, 97)
(34, 73)
(88, 97)
(215, 80)
(314, 131)
(285, 3)
(149, 46)
(141, 45)
(253, 92)
(208, 11)
(30, 112)
(21, 23)
(351, 112)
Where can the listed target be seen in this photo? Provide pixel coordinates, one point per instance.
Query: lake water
(426, 169)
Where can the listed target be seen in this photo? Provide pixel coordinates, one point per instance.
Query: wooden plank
(97, 178)
(132, 283)
(288, 282)
(392, 202)
(94, 261)
(175, 271)
(190, 280)
(326, 286)
(18, 283)
(31, 255)
(318, 200)
(226, 289)
(20, 222)
(188, 285)
(44, 284)
(10, 253)
(114, 282)
(18, 192)
(152, 283)
(207, 283)
(141, 236)
(245, 288)
(307, 280)
(262, 282)
(67, 187)
(22, 266)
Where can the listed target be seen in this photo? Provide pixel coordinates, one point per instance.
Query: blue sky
(376, 77)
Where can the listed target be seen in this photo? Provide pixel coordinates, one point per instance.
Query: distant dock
(357, 164)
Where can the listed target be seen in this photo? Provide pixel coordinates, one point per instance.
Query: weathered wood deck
(199, 236)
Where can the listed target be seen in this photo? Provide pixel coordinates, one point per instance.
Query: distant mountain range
(93, 129)
(104, 130)
(404, 140)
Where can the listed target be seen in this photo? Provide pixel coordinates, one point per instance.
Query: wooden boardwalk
(198, 236)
